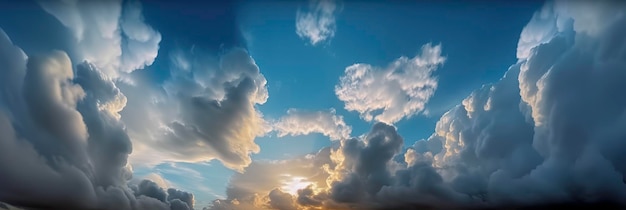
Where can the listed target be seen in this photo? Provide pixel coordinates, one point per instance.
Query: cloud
(264, 184)
(107, 34)
(61, 143)
(397, 91)
(175, 195)
(205, 111)
(281, 200)
(317, 23)
(301, 122)
(550, 131)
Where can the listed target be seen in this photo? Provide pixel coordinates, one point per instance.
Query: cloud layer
(389, 94)
(316, 23)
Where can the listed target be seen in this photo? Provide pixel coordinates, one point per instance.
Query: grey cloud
(307, 197)
(281, 200)
(367, 161)
(151, 189)
(28, 180)
(175, 194)
(49, 96)
(61, 143)
(108, 143)
(177, 204)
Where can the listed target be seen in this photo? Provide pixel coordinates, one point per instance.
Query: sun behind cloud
(295, 183)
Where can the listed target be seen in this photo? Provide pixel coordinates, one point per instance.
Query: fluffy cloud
(357, 173)
(535, 136)
(550, 131)
(397, 91)
(62, 144)
(111, 36)
(317, 23)
(205, 111)
(300, 122)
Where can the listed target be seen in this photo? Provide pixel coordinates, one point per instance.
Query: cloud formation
(70, 153)
(61, 143)
(389, 94)
(265, 184)
(301, 122)
(550, 131)
(205, 111)
(316, 23)
(108, 34)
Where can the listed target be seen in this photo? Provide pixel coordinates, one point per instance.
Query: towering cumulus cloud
(397, 91)
(62, 144)
(550, 131)
(316, 23)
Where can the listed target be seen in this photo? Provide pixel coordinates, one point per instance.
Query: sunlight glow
(294, 184)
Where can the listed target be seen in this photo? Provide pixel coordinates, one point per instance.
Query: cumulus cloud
(530, 137)
(61, 143)
(549, 131)
(108, 34)
(359, 173)
(205, 111)
(301, 122)
(316, 23)
(389, 94)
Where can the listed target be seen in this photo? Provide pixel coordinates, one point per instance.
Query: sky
(311, 104)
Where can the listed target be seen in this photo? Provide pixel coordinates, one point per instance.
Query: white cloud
(317, 22)
(397, 91)
(299, 122)
(112, 37)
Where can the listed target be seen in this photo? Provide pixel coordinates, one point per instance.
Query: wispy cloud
(317, 23)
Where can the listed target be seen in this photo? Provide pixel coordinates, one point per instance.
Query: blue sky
(311, 104)
(377, 34)
(303, 76)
